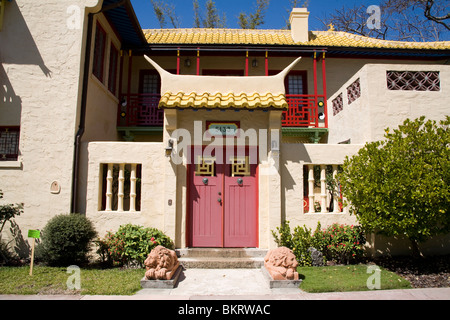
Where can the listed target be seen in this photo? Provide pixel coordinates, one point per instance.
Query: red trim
(315, 72)
(324, 78)
(246, 64)
(267, 63)
(178, 61)
(198, 61)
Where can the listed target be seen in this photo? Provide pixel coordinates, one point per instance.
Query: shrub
(131, 245)
(66, 240)
(299, 242)
(340, 243)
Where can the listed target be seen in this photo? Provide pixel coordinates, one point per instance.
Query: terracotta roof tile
(279, 37)
(222, 101)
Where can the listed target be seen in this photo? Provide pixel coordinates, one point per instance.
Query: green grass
(48, 280)
(346, 278)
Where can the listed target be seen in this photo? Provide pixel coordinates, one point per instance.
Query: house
(214, 136)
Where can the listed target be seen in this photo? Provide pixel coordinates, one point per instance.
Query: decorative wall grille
(338, 104)
(413, 80)
(354, 91)
(120, 187)
(9, 143)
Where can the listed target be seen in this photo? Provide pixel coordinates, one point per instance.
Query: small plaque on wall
(223, 128)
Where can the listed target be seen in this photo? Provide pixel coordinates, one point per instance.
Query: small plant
(7, 213)
(131, 245)
(66, 240)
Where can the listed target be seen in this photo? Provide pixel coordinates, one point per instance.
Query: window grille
(338, 104)
(354, 91)
(9, 143)
(413, 80)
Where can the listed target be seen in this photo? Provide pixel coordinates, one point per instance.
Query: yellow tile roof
(222, 101)
(279, 37)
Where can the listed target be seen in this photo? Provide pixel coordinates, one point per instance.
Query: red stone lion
(161, 264)
(281, 264)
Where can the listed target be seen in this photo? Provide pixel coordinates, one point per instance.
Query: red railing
(136, 110)
(139, 110)
(303, 110)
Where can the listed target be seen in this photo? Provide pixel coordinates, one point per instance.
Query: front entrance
(223, 197)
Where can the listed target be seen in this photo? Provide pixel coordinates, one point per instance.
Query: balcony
(139, 114)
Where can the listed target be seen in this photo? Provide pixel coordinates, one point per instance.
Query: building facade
(214, 136)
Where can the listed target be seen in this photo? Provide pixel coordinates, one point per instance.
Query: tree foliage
(400, 186)
(403, 20)
(256, 19)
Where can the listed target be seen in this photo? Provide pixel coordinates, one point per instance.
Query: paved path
(245, 284)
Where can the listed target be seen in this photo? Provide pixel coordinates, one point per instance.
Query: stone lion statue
(161, 264)
(281, 264)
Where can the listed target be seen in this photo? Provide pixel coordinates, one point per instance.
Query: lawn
(47, 280)
(346, 278)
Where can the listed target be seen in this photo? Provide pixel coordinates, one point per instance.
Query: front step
(206, 258)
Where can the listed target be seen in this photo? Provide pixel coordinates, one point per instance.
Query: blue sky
(275, 15)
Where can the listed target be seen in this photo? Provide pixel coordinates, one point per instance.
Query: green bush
(131, 245)
(340, 243)
(66, 240)
(299, 242)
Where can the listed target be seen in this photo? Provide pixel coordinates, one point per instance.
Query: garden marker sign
(34, 234)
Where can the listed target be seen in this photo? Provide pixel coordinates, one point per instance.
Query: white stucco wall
(379, 108)
(41, 61)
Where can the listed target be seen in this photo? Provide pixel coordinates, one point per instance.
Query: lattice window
(354, 91)
(413, 80)
(338, 104)
(205, 167)
(240, 166)
(150, 84)
(295, 84)
(9, 143)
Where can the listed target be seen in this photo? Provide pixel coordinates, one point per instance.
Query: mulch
(427, 272)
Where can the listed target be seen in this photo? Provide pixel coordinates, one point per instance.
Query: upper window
(113, 61)
(413, 80)
(99, 52)
(296, 83)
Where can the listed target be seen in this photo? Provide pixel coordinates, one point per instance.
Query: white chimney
(299, 24)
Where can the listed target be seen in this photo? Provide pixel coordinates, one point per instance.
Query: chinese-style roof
(223, 101)
(279, 37)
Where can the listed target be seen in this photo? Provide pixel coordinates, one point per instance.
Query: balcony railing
(141, 110)
(303, 111)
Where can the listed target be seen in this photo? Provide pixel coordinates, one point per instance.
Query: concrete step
(206, 258)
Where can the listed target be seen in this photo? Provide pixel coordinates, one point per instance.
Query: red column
(246, 64)
(324, 79)
(178, 61)
(198, 61)
(267, 63)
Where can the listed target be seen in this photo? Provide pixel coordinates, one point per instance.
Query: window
(296, 83)
(9, 143)
(120, 187)
(150, 82)
(99, 52)
(338, 104)
(413, 80)
(113, 61)
(354, 91)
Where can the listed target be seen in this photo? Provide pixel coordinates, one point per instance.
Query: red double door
(223, 211)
